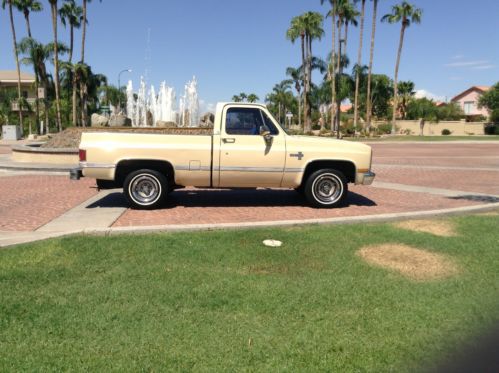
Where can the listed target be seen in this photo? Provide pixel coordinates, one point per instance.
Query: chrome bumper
(368, 178)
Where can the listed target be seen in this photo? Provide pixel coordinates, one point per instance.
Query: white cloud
(468, 63)
(420, 93)
(483, 67)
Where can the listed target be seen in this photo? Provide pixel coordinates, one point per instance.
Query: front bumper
(75, 173)
(368, 178)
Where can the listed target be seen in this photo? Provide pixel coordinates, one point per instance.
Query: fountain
(147, 109)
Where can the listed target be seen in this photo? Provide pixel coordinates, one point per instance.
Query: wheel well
(123, 168)
(346, 167)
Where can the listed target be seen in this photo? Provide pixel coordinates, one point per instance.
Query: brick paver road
(28, 202)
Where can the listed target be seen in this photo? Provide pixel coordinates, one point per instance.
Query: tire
(326, 188)
(145, 189)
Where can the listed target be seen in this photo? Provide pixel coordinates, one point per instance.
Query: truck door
(252, 149)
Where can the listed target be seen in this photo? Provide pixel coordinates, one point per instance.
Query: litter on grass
(272, 243)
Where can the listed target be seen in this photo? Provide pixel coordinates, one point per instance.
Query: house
(8, 82)
(468, 101)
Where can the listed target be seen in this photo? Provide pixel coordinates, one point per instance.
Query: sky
(234, 46)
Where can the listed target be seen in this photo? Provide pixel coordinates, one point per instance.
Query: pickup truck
(247, 148)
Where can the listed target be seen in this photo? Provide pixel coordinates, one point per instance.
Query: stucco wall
(457, 128)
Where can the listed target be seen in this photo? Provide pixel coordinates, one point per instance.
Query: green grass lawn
(221, 301)
(427, 138)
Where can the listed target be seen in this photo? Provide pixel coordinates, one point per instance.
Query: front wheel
(145, 189)
(326, 188)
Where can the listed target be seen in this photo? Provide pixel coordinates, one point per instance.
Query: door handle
(229, 140)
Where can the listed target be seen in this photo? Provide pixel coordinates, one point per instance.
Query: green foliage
(450, 111)
(490, 99)
(492, 129)
(384, 128)
(494, 116)
(446, 132)
(422, 108)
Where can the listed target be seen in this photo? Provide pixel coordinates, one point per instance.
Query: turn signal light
(82, 153)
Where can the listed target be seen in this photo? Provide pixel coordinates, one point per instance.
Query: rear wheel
(145, 189)
(326, 188)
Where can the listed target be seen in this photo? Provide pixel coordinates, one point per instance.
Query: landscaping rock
(99, 120)
(119, 120)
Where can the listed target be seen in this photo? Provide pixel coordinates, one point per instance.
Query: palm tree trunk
(16, 55)
(395, 80)
(75, 116)
(359, 61)
(299, 109)
(84, 31)
(338, 101)
(304, 72)
(308, 124)
(56, 66)
(71, 43)
(28, 26)
(373, 34)
(37, 84)
(333, 68)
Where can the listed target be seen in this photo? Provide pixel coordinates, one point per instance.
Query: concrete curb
(36, 236)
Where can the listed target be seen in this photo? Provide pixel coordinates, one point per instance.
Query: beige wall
(457, 128)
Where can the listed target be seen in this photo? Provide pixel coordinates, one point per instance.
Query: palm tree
(243, 96)
(37, 54)
(26, 7)
(332, 13)
(83, 89)
(313, 30)
(31, 48)
(297, 29)
(406, 14)
(236, 98)
(282, 97)
(308, 27)
(253, 98)
(405, 91)
(53, 9)
(359, 62)
(295, 75)
(16, 55)
(71, 14)
(350, 15)
(369, 73)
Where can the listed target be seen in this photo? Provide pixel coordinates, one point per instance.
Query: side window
(268, 125)
(243, 121)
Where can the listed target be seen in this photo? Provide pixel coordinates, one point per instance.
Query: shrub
(494, 116)
(446, 132)
(316, 127)
(385, 128)
(491, 129)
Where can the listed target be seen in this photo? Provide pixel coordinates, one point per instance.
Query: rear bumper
(75, 173)
(365, 178)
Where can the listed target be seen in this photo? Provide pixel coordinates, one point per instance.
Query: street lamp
(119, 84)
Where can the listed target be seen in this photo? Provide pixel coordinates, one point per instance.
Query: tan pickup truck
(246, 148)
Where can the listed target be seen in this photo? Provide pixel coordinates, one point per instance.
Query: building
(468, 101)
(8, 82)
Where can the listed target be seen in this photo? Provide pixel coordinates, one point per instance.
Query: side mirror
(267, 137)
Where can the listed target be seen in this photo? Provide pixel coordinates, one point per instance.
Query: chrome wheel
(145, 189)
(327, 188)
